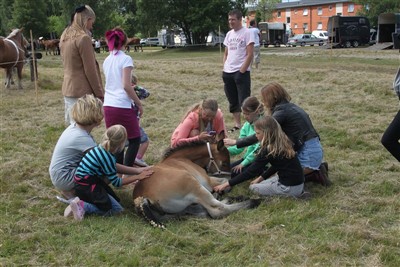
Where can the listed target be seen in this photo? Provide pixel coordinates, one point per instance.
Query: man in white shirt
(239, 48)
(256, 32)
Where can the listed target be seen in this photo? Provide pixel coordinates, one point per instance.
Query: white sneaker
(140, 162)
(77, 209)
(68, 211)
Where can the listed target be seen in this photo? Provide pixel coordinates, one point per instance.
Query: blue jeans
(310, 154)
(93, 209)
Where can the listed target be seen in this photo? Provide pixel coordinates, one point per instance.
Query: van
(321, 34)
(348, 31)
(152, 41)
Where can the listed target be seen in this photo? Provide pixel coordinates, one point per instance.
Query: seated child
(96, 169)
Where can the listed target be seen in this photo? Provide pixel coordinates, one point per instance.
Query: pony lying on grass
(180, 184)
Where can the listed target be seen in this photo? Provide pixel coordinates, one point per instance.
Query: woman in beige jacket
(81, 70)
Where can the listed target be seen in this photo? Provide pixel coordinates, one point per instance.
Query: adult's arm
(247, 141)
(89, 65)
(249, 57)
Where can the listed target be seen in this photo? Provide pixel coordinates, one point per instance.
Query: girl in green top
(251, 110)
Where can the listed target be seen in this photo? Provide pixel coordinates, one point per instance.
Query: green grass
(355, 222)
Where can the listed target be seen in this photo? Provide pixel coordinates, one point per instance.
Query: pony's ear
(220, 144)
(220, 136)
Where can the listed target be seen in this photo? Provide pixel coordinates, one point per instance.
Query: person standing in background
(81, 70)
(121, 103)
(391, 137)
(239, 47)
(256, 32)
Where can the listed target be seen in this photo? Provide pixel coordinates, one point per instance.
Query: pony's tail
(143, 208)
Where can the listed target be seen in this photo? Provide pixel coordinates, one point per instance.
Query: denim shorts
(143, 136)
(310, 154)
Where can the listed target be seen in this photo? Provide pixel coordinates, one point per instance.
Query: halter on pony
(212, 161)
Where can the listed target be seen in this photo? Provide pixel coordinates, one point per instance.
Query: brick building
(309, 15)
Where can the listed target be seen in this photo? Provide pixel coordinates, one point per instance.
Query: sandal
(233, 129)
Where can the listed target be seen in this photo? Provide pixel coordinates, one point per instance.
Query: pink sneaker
(77, 209)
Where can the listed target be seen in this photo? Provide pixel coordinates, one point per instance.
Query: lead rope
(212, 161)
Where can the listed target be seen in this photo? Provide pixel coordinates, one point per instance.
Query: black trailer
(348, 31)
(272, 33)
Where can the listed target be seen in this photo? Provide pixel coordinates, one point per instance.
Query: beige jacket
(81, 70)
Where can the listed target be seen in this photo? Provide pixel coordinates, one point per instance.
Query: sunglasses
(80, 9)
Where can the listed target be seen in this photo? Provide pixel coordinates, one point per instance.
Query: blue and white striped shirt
(99, 162)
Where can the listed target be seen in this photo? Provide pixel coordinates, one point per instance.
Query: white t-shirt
(236, 42)
(256, 33)
(113, 65)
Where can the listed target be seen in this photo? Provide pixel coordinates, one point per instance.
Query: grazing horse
(180, 184)
(50, 46)
(135, 41)
(12, 55)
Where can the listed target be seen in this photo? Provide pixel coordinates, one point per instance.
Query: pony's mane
(13, 33)
(185, 145)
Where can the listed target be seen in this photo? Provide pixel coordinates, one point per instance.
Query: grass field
(355, 222)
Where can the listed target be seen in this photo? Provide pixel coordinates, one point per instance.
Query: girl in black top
(276, 149)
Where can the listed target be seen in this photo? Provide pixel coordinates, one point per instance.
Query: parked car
(151, 41)
(321, 34)
(305, 39)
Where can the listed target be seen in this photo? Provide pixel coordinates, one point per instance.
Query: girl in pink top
(202, 122)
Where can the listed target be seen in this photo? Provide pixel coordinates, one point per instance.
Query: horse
(180, 184)
(50, 46)
(135, 41)
(12, 55)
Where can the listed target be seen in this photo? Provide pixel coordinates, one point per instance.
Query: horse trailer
(272, 33)
(348, 31)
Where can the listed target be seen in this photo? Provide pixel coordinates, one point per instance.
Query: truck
(272, 33)
(215, 39)
(348, 31)
(171, 38)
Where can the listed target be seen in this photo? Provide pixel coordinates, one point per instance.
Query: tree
(195, 18)
(373, 8)
(5, 16)
(265, 9)
(31, 15)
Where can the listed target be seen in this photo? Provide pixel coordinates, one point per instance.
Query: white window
(295, 11)
(305, 12)
(330, 8)
(295, 25)
(279, 14)
(305, 26)
(350, 9)
(319, 26)
(319, 12)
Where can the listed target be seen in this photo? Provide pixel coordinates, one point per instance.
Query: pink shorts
(127, 117)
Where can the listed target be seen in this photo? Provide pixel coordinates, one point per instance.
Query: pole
(34, 67)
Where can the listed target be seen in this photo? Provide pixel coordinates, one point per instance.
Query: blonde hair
(78, 24)
(114, 138)
(273, 94)
(209, 104)
(87, 110)
(275, 140)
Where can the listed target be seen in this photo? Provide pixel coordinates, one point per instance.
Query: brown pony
(135, 41)
(50, 45)
(180, 184)
(12, 55)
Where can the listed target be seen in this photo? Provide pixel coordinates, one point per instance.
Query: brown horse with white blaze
(12, 55)
(180, 184)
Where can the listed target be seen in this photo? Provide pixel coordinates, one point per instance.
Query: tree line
(143, 18)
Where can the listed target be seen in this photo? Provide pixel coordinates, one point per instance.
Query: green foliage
(373, 8)
(56, 24)
(30, 14)
(195, 18)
